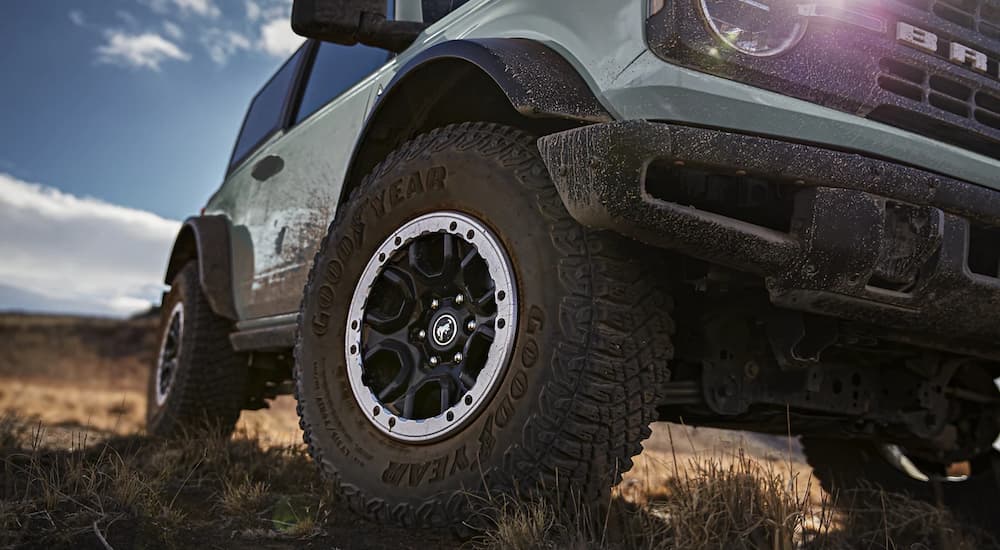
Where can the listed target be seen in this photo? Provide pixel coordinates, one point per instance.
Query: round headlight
(755, 27)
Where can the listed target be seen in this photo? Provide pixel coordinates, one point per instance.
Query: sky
(117, 120)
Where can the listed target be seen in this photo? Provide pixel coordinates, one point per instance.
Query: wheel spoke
(393, 312)
(484, 331)
(409, 401)
(398, 383)
(447, 387)
(479, 291)
(449, 255)
(434, 266)
(469, 257)
(466, 381)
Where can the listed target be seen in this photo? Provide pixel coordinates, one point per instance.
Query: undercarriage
(742, 363)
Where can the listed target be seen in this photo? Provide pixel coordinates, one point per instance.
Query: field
(76, 471)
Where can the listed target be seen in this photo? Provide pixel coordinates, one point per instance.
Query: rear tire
(197, 382)
(589, 354)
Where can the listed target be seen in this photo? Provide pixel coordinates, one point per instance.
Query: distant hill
(109, 353)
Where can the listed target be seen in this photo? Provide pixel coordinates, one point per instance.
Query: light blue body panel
(605, 40)
(279, 224)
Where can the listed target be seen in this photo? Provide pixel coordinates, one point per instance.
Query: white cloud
(253, 10)
(76, 16)
(145, 50)
(277, 38)
(100, 257)
(173, 30)
(204, 8)
(222, 44)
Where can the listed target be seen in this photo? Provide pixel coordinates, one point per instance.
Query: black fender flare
(538, 82)
(206, 239)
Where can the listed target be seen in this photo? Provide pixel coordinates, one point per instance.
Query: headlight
(755, 27)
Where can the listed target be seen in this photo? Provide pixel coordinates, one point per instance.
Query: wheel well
(438, 93)
(185, 249)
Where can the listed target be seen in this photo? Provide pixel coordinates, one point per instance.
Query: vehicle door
(244, 194)
(307, 166)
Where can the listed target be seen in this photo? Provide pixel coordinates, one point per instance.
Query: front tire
(197, 382)
(590, 338)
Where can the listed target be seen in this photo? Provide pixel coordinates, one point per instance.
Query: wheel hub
(444, 329)
(431, 326)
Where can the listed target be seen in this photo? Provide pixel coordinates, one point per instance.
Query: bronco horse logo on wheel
(445, 329)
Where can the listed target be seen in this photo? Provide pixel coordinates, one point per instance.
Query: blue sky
(117, 119)
(129, 101)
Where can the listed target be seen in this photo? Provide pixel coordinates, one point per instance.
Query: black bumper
(853, 220)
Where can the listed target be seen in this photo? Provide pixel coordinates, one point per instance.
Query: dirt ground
(77, 471)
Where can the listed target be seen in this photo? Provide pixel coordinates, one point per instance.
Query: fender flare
(206, 239)
(538, 82)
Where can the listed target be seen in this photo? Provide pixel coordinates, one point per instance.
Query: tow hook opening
(730, 193)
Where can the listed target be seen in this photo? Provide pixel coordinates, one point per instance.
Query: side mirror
(351, 22)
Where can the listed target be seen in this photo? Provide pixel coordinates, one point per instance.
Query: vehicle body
(836, 206)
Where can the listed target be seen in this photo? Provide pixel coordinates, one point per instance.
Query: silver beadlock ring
(467, 407)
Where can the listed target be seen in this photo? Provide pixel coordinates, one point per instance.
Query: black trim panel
(853, 217)
(207, 240)
(276, 338)
(538, 81)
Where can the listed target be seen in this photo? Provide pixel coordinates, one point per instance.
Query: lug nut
(435, 361)
(435, 304)
(470, 326)
(458, 358)
(459, 299)
(422, 334)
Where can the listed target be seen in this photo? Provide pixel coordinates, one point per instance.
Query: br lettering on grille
(956, 52)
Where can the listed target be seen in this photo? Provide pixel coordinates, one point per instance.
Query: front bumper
(855, 223)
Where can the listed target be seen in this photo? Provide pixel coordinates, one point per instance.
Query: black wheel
(844, 465)
(459, 331)
(197, 381)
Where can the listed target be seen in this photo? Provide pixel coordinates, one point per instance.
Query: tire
(589, 356)
(204, 386)
(844, 465)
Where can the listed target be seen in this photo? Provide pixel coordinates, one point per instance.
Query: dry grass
(86, 352)
(243, 498)
(139, 492)
(163, 493)
(75, 472)
(732, 502)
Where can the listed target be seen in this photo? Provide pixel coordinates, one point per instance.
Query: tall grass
(727, 503)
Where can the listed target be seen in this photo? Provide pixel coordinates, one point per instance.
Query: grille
(939, 91)
(982, 16)
(874, 75)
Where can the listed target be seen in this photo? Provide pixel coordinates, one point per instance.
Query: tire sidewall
(492, 189)
(160, 418)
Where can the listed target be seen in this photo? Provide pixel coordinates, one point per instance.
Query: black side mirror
(351, 22)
